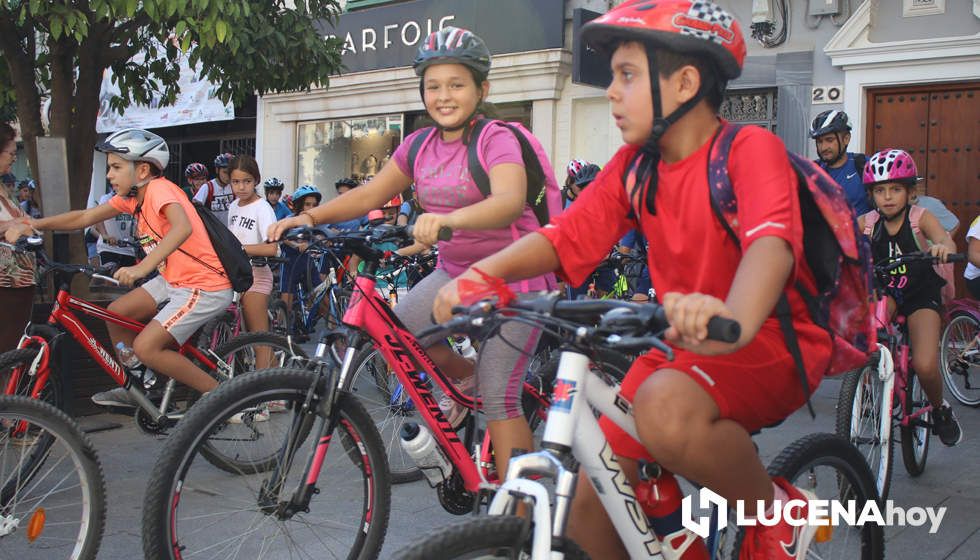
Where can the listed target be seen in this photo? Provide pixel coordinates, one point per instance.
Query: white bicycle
(825, 464)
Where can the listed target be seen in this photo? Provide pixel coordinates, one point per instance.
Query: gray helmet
(134, 144)
(829, 121)
(453, 44)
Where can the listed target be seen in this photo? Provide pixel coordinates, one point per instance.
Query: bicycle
(887, 392)
(29, 370)
(959, 357)
(52, 490)
(573, 440)
(320, 409)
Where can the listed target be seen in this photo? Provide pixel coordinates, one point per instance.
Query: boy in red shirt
(670, 63)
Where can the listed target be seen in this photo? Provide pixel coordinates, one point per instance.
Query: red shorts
(757, 386)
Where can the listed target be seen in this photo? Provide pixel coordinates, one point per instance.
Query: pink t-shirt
(443, 184)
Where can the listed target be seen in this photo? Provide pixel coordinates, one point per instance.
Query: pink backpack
(543, 192)
(837, 254)
(944, 270)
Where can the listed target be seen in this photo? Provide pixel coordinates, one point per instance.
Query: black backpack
(235, 263)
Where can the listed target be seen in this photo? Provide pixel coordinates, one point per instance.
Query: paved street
(951, 479)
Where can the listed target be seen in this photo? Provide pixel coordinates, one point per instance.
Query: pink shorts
(261, 280)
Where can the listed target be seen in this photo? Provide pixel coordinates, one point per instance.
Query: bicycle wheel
(22, 361)
(279, 318)
(833, 469)
(389, 406)
(57, 508)
(863, 417)
(915, 436)
(959, 359)
(194, 511)
(496, 536)
(241, 356)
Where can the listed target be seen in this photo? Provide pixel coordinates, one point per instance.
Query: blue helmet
(222, 160)
(307, 190)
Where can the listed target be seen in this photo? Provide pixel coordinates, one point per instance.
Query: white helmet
(134, 144)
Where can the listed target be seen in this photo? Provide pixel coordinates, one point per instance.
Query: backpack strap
(723, 201)
(859, 161)
(416, 146)
(477, 171)
(870, 219)
(915, 214)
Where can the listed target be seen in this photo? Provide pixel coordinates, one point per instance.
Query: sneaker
(118, 397)
(946, 426)
(455, 413)
(782, 541)
(277, 406)
(260, 415)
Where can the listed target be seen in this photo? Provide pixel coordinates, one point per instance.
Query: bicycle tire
(52, 393)
(915, 438)
(279, 318)
(852, 480)
(172, 490)
(864, 386)
(65, 441)
(245, 365)
(495, 535)
(961, 331)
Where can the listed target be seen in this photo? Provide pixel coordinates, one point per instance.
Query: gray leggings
(500, 374)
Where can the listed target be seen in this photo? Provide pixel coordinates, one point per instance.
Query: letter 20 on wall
(820, 95)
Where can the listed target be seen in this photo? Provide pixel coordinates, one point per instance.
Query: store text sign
(388, 36)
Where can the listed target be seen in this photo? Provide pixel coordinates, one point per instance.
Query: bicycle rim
(960, 359)
(865, 421)
(57, 508)
(915, 436)
(218, 514)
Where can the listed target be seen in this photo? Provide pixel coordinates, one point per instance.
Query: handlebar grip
(445, 233)
(724, 330)
(955, 257)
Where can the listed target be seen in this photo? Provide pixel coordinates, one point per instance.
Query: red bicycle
(326, 445)
(33, 369)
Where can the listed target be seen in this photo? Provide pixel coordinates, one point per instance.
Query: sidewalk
(951, 479)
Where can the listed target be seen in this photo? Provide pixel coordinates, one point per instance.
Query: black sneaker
(945, 425)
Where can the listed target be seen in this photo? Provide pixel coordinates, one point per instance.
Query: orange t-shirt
(203, 270)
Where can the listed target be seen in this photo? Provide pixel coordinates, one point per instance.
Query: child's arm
(529, 256)
(261, 249)
(942, 243)
(180, 230)
(973, 251)
(76, 219)
(413, 249)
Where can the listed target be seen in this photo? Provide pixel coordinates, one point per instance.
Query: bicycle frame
(62, 314)
(896, 341)
(572, 434)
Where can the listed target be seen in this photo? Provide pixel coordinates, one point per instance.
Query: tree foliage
(60, 50)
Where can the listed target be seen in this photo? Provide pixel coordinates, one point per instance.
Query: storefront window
(358, 148)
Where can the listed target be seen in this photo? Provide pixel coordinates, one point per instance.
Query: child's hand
(282, 226)
(446, 298)
(940, 251)
(426, 229)
(688, 315)
(129, 275)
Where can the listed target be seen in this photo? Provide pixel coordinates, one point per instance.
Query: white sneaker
(277, 406)
(257, 415)
(455, 413)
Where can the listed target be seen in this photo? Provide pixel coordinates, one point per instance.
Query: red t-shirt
(690, 251)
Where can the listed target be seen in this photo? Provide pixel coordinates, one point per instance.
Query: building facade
(861, 56)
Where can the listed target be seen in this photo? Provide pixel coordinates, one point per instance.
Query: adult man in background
(832, 132)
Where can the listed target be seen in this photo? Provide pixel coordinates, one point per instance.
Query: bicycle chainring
(453, 496)
(149, 427)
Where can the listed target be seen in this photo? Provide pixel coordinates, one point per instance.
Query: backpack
(237, 267)
(210, 197)
(543, 192)
(944, 270)
(835, 251)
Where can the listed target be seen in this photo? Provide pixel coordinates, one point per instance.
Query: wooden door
(940, 126)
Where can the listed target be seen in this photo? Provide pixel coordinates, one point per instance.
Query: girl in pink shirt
(453, 65)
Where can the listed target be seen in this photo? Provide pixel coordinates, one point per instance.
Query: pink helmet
(890, 166)
(575, 166)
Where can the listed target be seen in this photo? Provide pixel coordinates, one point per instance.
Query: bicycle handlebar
(35, 244)
(921, 256)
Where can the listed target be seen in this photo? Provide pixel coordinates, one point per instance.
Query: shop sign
(388, 36)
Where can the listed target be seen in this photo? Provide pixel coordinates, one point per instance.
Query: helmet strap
(648, 158)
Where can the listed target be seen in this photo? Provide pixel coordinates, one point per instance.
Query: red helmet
(683, 26)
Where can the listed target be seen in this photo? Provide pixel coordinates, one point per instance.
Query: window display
(358, 148)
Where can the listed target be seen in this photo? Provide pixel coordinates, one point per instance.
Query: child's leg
(154, 347)
(255, 307)
(679, 424)
(924, 328)
(138, 305)
(589, 525)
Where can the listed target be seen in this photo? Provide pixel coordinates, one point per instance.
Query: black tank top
(909, 279)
